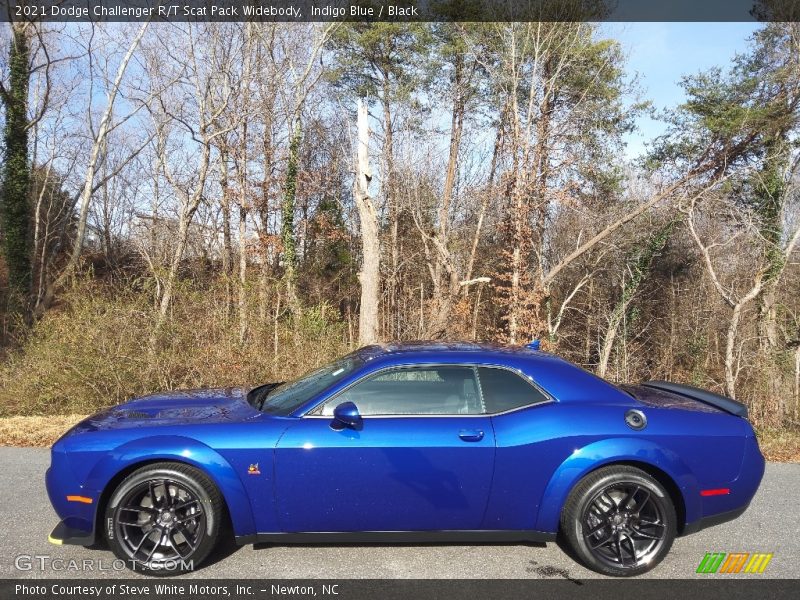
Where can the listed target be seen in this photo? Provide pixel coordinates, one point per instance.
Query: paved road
(772, 524)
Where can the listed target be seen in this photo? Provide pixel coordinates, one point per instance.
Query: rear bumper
(717, 509)
(712, 520)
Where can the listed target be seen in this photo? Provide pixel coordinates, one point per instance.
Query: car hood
(174, 408)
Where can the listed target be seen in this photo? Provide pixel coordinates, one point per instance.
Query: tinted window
(504, 390)
(414, 391)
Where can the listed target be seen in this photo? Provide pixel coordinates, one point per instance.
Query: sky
(661, 53)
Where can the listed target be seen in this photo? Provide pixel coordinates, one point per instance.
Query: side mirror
(346, 415)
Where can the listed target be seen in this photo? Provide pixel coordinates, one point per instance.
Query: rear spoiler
(722, 402)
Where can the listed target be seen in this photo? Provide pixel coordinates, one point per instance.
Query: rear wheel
(164, 519)
(619, 521)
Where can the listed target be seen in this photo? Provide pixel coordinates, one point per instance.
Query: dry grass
(34, 431)
(94, 350)
(780, 446)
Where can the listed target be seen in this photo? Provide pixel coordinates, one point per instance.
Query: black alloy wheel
(164, 519)
(619, 521)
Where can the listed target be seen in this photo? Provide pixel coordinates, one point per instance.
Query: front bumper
(74, 504)
(64, 534)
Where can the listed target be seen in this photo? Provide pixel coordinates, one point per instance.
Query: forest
(197, 204)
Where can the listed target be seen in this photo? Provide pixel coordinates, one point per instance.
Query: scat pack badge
(253, 469)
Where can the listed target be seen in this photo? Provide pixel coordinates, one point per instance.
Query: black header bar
(88, 588)
(398, 10)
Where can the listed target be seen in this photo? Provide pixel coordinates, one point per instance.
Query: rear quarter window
(504, 390)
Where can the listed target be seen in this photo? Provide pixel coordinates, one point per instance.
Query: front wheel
(164, 519)
(619, 521)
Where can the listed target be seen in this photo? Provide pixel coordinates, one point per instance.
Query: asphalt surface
(771, 524)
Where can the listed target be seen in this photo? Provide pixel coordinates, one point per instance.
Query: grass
(36, 432)
(41, 432)
(93, 351)
(780, 445)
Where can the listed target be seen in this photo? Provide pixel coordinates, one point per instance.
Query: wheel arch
(126, 459)
(660, 463)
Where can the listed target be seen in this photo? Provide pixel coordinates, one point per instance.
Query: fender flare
(185, 450)
(616, 450)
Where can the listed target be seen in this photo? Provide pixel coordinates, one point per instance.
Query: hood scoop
(135, 414)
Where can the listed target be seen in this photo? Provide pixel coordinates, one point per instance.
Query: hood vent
(135, 414)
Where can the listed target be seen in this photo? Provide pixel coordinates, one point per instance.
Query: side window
(445, 390)
(504, 390)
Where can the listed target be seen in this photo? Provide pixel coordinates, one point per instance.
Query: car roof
(426, 346)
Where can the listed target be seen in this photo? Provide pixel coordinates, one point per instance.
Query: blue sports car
(410, 442)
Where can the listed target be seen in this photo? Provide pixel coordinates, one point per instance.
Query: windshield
(284, 399)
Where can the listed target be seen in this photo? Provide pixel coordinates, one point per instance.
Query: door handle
(471, 435)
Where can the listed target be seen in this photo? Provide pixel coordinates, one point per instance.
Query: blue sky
(661, 53)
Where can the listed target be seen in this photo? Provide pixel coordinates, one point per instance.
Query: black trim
(722, 402)
(712, 520)
(397, 537)
(65, 534)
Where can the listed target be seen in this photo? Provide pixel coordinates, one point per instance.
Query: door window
(445, 390)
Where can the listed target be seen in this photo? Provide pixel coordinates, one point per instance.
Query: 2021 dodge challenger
(410, 442)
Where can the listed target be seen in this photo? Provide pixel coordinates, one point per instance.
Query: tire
(160, 534)
(619, 521)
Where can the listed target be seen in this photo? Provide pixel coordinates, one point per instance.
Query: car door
(421, 459)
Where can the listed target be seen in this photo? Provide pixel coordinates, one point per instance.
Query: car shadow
(267, 545)
(224, 548)
(226, 544)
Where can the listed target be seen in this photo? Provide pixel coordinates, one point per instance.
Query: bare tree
(735, 296)
(90, 185)
(199, 121)
(370, 243)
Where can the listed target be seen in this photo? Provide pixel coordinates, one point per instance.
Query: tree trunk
(287, 223)
(40, 232)
(731, 372)
(264, 210)
(518, 227)
(244, 205)
(391, 203)
(768, 333)
(369, 276)
(227, 245)
(15, 211)
(770, 194)
(445, 295)
(188, 209)
(242, 272)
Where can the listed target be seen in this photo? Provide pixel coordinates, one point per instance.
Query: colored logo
(253, 470)
(734, 562)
